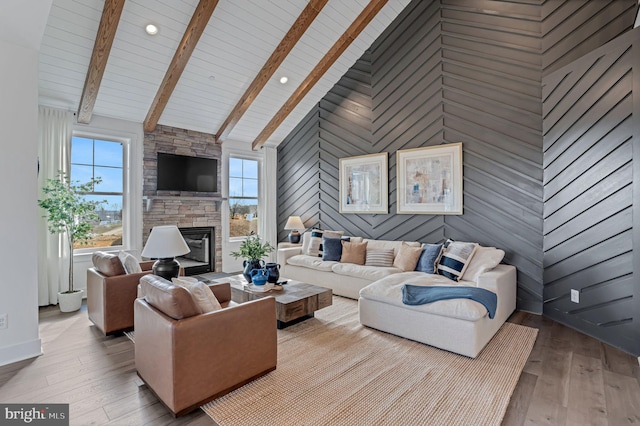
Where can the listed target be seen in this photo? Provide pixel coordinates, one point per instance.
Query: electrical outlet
(575, 296)
(4, 321)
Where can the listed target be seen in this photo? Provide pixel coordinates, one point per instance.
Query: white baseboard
(19, 352)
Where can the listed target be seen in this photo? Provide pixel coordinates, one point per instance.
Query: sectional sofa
(462, 326)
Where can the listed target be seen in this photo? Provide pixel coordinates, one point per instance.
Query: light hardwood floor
(569, 379)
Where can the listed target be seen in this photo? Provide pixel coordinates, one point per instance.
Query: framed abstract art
(364, 184)
(430, 180)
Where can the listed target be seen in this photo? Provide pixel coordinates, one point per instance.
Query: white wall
(235, 148)
(18, 216)
(132, 135)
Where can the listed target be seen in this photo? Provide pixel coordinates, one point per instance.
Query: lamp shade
(294, 222)
(165, 242)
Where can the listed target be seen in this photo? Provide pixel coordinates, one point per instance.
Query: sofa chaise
(460, 325)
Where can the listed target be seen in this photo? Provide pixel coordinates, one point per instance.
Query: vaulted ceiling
(214, 66)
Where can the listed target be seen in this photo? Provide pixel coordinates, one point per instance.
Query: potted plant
(252, 251)
(69, 213)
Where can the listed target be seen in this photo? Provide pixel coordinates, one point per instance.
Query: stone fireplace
(184, 209)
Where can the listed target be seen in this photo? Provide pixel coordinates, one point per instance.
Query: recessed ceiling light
(212, 77)
(151, 29)
(284, 79)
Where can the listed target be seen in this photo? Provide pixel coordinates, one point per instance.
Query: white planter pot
(70, 302)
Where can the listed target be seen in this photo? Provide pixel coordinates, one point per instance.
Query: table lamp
(165, 243)
(294, 223)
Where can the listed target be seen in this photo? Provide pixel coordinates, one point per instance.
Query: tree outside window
(243, 197)
(96, 158)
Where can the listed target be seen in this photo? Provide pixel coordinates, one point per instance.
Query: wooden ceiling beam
(187, 45)
(316, 74)
(101, 49)
(307, 16)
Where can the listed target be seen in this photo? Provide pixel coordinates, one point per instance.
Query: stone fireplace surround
(184, 209)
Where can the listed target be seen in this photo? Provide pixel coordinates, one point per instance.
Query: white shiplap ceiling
(239, 38)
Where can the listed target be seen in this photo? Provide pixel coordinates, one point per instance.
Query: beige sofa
(458, 325)
(345, 279)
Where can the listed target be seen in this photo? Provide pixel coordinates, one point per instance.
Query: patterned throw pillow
(315, 243)
(382, 258)
(455, 259)
(429, 258)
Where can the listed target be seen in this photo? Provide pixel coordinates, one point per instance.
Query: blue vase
(250, 265)
(273, 272)
(259, 277)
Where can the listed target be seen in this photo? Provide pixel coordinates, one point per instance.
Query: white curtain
(268, 221)
(54, 154)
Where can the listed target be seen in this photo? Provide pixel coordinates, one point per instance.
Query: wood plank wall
(458, 71)
(491, 92)
(298, 180)
(589, 134)
(407, 108)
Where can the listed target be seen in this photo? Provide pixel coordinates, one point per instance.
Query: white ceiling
(22, 22)
(240, 37)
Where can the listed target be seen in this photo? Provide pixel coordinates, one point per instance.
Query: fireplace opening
(201, 259)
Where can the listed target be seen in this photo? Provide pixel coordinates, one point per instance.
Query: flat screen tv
(185, 173)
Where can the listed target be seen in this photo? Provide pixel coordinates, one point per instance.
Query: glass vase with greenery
(69, 212)
(252, 250)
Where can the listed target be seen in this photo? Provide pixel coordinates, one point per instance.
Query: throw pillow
(314, 247)
(455, 259)
(381, 257)
(329, 234)
(407, 257)
(354, 253)
(107, 264)
(484, 259)
(332, 248)
(306, 241)
(129, 262)
(200, 292)
(429, 258)
(315, 241)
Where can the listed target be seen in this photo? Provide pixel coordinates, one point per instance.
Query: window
(96, 158)
(243, 197)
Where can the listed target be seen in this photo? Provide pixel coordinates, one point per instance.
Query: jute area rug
(333, 371)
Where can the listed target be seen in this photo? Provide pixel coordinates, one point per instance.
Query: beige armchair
(188, 358)
(111, 292)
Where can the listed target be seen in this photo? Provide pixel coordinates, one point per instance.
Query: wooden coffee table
(297, 301)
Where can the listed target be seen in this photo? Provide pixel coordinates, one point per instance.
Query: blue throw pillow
(428, 258)
(332, 248)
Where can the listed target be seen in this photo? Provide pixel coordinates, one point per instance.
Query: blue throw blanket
(420, 295)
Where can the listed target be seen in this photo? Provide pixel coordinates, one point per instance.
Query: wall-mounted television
(185, 173)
